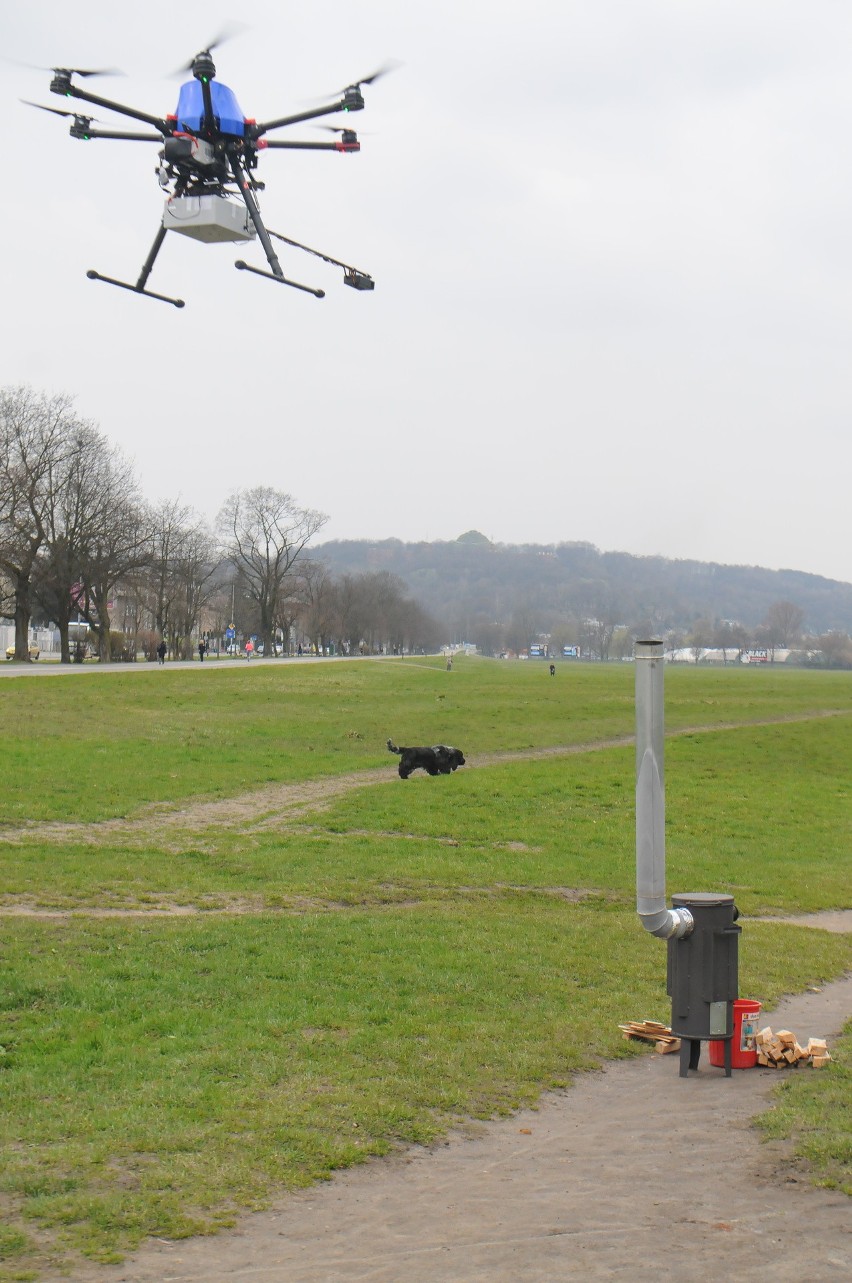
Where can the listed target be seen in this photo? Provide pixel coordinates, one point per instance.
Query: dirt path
(277, 804)
(630, 1171)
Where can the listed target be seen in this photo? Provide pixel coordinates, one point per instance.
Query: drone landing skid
(139, 287)
(282, 280)
(135, 289)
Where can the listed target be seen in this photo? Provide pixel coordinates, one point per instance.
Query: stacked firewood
(652, 1031)
(782, 1049)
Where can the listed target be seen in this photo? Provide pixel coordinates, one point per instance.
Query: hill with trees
(504, 596)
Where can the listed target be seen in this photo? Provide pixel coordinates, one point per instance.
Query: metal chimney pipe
(650, 799)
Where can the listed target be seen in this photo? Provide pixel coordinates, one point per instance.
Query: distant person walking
(449, 663)
(552, 670)
(161, 652)
(202, 649)
(249, 649)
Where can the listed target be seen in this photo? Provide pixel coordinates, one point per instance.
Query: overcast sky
(612, 244)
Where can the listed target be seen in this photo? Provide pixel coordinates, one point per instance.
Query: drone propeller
(228, 32)
(68, 71)
(78, 71)
(342, 129)
(57, 111)
(375, 75)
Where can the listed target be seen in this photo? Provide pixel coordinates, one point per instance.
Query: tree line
(78, 541)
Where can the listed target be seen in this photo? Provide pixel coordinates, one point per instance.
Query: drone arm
(112, 133)
(326, 258)
(67, 90)
(261, 129)
(351, 275)
(296, 146)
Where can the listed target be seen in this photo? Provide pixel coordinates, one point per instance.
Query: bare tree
(116, 543)
(523, 627)
(413, 627)
(381, 593)
(700, 638)
(371, 610)
(728, 635)
(182, 572)
(565, 632)
(7, 595)
(488, 635)
(835, 649)
(71, 522)
(196, 573)
(264, 533)
(68, 514)
(782, 624)
(351, 613)
(318, 616)
(36, 437)
(166, 527)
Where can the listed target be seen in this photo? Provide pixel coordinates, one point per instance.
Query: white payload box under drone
(208, 218)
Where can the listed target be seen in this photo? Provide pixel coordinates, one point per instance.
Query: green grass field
(356, 965)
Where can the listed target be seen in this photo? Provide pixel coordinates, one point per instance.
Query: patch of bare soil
(237, 906)
(279, 804)
(838, 921)
(631, 1170)
(260, 808)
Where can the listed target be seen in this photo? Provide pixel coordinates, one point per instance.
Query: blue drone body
(226, 110)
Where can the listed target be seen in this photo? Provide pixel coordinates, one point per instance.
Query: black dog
(440, 759)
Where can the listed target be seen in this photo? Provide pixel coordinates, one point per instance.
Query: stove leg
(729, 1043)
(690, 1051)
(684, 1057)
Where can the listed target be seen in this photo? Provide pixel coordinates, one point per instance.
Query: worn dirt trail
(632, 1171)
(276, 804)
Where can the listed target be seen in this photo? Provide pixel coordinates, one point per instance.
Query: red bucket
(743, 1051)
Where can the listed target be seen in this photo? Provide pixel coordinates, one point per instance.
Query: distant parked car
(34, 652)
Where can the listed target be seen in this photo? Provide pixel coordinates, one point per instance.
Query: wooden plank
(667, 1045)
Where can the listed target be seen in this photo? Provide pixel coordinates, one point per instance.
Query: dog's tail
(392, 748)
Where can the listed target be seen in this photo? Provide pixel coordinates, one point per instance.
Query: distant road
(40, 668)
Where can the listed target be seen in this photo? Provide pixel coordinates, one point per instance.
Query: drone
(209, 154)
